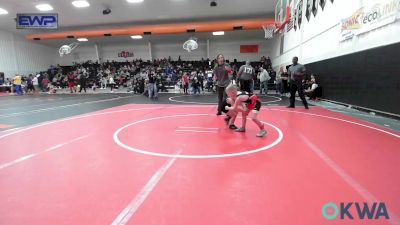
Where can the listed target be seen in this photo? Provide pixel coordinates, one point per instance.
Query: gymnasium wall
(18, 56)
(358, 71)
(160, 49)
(368, 78)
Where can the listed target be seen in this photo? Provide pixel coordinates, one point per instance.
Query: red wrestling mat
(166, 164)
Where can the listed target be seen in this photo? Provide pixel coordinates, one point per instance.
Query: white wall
(231, 49)
(319, 38)
(160, 49)
(19, 56)
(164, 50)
(79, 54)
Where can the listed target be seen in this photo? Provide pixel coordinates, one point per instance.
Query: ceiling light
(136, 36)
(44, 7)
(80, 3)
(82, 39)
(217, 33)
(3, 11)
(134, 1)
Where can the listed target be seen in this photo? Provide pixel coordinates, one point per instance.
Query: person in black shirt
(222, 80)
(82, 83)
(152, 87)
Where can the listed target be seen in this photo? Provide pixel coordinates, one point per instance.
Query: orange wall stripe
(175, 28)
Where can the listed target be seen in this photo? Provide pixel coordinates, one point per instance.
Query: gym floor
(125, 159)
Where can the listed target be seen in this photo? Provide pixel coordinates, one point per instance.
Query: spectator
(82, 83)
(35, 83)
(152, 86)
(185, 83)
(111, 82)
(314, 90)
(71, 82)
(264, 78)
(29, 84)
(46, 83)
(245, 76)
(17, 81)
(285, 81)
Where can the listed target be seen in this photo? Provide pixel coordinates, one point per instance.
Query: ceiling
(124, 13)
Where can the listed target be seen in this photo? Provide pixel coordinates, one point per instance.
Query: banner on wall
(299, 13)
(125, 54)
(292, 22)
(373, 15)
(322, 3)
(315, 7)
(309, 9)
(248, 48)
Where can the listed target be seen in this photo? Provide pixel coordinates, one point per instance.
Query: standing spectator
(29, 84)
(264, 78)
(71, 82)
(82, 83)
(35, 83)
(245, 76)
(17, 81)
(103, 79)
(296, 73)
(278, 82)
(200, 77)
(195, 85)
(152, 85)
(285, 82)
(45, 83)
(221, 76)
(185, 83)
(111, 82)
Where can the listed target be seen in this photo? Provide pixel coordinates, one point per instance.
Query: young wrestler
(230, 114)
(243, 102)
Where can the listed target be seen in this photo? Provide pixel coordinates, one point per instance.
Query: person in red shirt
(185, 83)
(71, 82)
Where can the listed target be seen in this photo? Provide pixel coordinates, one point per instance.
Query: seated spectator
(314, 90)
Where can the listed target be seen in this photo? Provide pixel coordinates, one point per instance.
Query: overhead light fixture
(136, 36)
(3, 11)
(82, 39)
(44, 7)
(80, 3)
(134, 1)
(217, 33)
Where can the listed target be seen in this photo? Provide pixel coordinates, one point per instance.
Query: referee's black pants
(245, 85)
(299, 88)
(221, 98)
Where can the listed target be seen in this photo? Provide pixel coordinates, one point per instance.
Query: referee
(221, 77)
(296, 74)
